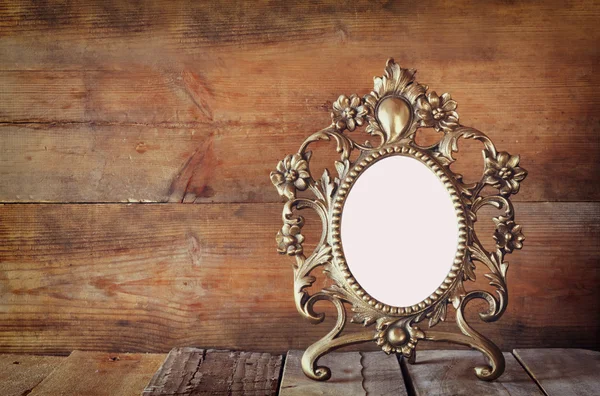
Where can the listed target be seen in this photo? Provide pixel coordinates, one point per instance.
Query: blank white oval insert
(399, 231)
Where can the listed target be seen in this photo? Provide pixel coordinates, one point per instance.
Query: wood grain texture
(232, 162)
(183, 102)
(195, 371)
(224, 61)
(446, 373)
(153, 277)
(564, 372)
(352, 373)
(100, 374)
(19, 374)
(172, 101)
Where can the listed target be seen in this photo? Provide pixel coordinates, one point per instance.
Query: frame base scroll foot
(494, 369)
(323, 347)
(312, 371)
(494, 356)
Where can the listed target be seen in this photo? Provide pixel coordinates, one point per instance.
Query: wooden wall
(136, 143)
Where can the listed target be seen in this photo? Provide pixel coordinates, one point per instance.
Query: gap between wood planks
(528, 373)
(162, 124)
(410, 387)
(200, 203)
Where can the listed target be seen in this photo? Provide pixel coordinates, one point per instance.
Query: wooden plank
(563, 372)
(451, 373)
(195, 371)
(225, 62)
(107, 119)
(352, 373)
(224, 26)
(19, 374)
(100, 373)
(152, 277)
(235, 91)
(138, 163)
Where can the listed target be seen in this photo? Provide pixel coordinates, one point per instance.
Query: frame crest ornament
(393, 112)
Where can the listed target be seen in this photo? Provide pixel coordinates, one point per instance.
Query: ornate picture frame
(393, 112)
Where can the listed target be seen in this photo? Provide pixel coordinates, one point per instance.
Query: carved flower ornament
(348, 112)
(289, 239)
(291, 174)
(508, 235)
(393, 111)
(437, 111)
(503, 172)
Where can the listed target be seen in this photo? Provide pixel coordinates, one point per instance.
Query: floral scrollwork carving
(503, 172)
(348, 112)
(393, 111)
(437, 111)
(291, 175)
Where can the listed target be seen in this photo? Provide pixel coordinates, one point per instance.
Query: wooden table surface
(81, 373)
(195, 371)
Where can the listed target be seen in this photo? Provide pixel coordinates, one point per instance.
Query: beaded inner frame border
(393, 112)
(336, 214)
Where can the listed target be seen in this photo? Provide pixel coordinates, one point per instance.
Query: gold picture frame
(393, 112)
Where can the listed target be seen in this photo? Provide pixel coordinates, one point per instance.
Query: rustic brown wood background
(136, 143)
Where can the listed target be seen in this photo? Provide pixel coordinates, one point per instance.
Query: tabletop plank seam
(281, 371)
(406, 377)
(529, 373)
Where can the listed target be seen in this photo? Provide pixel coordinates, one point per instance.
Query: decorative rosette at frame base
(399, 337)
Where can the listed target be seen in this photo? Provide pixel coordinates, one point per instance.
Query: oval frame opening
(337, 248)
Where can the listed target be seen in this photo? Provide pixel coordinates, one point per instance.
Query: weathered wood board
(231, 163)
(152, 277)
(561, 371)
(195, 371)
(224, 61)
(446, 373)
(112, 102)
(100, 374)
(19, 374)
(352, 373)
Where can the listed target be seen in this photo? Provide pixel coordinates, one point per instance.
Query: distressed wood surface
(100, 374)
(178, 101)
(19, 374)
(139, 163)
(195, 371)
(224, 61)
(153, 277)
(171, 101)
(563, 372)
(446, 373)
(352, 373)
